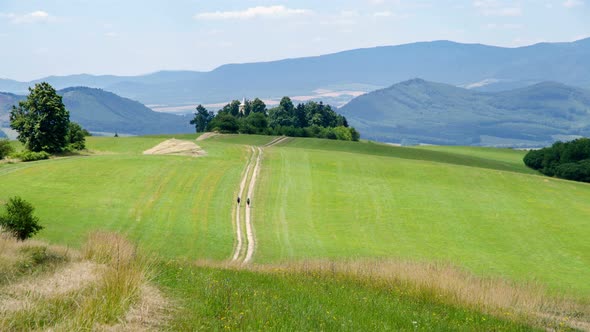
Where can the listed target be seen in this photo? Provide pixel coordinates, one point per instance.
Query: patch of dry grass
(105, 287)
(28, 258)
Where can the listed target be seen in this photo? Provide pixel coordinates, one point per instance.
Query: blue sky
(60, 37)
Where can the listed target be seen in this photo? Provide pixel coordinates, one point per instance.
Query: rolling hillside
(6, 102)
(445, 237)
(101, 111)
(420, 111)
(473, 65)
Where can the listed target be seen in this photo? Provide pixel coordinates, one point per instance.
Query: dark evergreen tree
(202, 119)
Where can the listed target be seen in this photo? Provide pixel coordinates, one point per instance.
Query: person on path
(248, 201)
(238, 200)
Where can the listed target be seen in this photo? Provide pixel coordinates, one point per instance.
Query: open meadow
(411, 233)
(487, 215)
(175, 205)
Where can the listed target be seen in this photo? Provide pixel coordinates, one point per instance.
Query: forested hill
(425, 112)
(6, 102)
(101, 111)
(476, 66)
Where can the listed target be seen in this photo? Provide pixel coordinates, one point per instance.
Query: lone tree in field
(19, 219)
(42, 121)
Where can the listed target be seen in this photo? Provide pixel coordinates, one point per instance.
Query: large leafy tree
(225, 123)
(42, 121)
(202, 119)
(258, 106)
(282, 115)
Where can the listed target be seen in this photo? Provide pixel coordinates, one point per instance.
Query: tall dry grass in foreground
(19, 258)
(448, 284)
(96, 289)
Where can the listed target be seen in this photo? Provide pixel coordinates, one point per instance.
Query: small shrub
(31, 156)
(19, 219)
(5, 148)
(76, 137)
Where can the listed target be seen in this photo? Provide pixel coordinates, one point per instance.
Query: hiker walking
(238, 200)
(248, 201)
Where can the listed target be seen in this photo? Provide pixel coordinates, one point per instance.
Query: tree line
(311, 119)
(570, 160)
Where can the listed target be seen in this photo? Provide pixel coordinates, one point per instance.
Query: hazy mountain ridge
(436, 113)
(102, 111)
(441, 61)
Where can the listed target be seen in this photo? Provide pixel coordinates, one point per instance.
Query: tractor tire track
(238, 248)
(249, 224)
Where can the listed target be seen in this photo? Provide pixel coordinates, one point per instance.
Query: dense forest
(570, 160)
(310, 119)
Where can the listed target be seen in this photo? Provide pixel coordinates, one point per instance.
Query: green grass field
(177, 206)
(478, 209)
(216, 299)
(367, 200)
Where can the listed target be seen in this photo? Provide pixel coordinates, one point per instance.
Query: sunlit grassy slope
(476, 209)
(177, 206)
(480, 209)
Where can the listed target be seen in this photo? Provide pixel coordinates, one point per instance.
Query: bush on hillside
(75, 138)
(5, 148)
(569, 160)
(31, 156)
(19, 220)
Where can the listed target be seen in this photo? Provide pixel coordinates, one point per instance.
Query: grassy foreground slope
(213, 299)
(177, 206)
(319, 199)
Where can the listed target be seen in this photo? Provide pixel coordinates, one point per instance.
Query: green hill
(102, 111)
(420, 111)
(454, 237)
(6, 102)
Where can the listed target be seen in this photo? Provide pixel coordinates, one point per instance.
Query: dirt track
(249, 178)
(249, 226)
(244, 254)
(238, 248)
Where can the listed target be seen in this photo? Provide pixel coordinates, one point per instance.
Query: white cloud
(254, 12)
(38, 16)
(573, 3)
(383, 14)
(496, 8)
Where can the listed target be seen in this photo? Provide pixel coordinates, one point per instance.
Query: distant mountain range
(474, 66)
(418, 111)
(101, 111)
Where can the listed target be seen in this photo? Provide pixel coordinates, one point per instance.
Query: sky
(130, 37)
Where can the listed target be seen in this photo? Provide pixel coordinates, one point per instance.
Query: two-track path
(243, 253)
